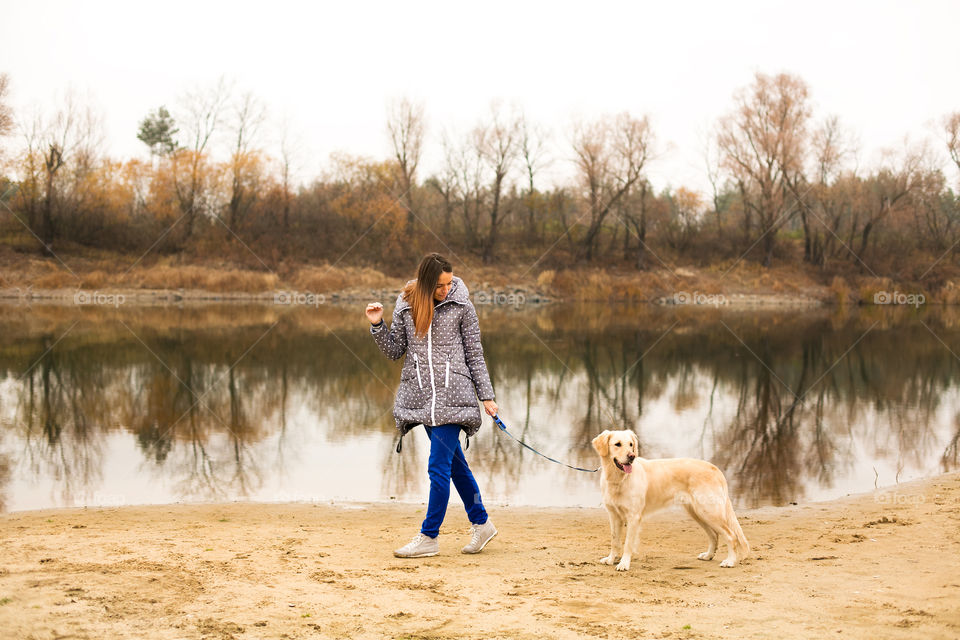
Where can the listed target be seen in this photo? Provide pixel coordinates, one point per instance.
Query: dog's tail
(743, 546)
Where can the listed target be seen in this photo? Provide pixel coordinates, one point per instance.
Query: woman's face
(443, 286)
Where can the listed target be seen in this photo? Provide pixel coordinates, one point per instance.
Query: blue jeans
(448, 463)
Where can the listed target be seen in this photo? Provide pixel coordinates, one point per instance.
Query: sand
(878, 565)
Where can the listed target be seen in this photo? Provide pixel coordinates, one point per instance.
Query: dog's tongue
(628, 468)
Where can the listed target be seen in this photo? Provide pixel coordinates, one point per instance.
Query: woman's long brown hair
(419, 293)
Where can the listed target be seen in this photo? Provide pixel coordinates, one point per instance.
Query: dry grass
(326, 278)
(102, 271)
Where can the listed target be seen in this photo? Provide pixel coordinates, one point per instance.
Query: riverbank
(105, 279)
(877, 565)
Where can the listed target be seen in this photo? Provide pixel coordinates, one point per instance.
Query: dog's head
(621, 447)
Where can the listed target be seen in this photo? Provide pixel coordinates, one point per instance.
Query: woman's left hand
(491, 407)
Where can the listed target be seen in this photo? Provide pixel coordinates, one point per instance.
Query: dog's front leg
(616, 535)
(630, 542)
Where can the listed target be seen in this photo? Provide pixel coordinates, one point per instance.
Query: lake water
(147, 405)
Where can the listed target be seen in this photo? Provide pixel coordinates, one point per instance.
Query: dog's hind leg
(739, 546)
(718, 513)
(710, 531)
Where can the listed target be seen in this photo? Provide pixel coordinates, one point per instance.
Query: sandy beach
(879, 565)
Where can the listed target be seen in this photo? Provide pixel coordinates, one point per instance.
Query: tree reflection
(58, 417)
(776, 399)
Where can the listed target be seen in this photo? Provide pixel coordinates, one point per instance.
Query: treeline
(786, 185)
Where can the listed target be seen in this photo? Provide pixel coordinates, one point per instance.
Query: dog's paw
(607, 560)
(706, 555)
(726, 564)
(623, 566)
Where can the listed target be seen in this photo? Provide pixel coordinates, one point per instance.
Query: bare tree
(825, 201)
(498, 144)
(533, 150)
(951, 126)
(610, 157)
(476, 175)
(463, 182)
(897, 176)
(72, 138)
(289, 153)
(406, 127)
(248, 116)
(712, 162)
(6, 113)
(201, 115)
(446, 184)
(934, 211)
(762, 144)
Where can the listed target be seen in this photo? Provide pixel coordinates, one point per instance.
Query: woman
(436, 326)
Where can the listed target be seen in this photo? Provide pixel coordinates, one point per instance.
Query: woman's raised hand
(374, 312)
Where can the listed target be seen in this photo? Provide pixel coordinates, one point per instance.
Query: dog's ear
(636, 443)
(602, 443)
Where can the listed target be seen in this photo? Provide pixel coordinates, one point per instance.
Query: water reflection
(112, 406)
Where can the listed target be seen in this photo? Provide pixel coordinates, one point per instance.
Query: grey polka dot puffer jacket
(444, 372)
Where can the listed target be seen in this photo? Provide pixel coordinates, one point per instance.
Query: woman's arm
(473, 352)
(392, 343)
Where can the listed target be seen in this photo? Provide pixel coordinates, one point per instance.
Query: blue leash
(503, 427)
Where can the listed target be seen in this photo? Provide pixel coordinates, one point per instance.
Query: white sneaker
(481, 534)
(420, 547)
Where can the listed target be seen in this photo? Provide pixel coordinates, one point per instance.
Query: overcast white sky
(888, 69)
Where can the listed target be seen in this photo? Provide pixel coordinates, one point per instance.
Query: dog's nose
(630, 458)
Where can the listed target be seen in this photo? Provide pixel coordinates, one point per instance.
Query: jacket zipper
(446, 380)
(433, 386)
(416, 361)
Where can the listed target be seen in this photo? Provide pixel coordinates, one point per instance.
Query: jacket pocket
(446, 378)
(416, 362)
(462, 392)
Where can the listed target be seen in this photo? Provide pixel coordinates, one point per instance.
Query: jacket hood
(458, 293)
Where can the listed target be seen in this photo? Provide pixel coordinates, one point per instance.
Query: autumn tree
(359, 197)
(610, 156)
(684, 218)
(762, 143)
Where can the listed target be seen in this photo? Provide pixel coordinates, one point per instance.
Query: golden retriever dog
(634, 487)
